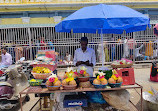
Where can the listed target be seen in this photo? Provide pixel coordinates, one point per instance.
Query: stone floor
(141, 76)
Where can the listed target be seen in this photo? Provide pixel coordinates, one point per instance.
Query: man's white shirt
(6, 59)
(89, 54)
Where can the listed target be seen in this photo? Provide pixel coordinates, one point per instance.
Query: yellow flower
(98, 77)
(84, 72)
(114, 77)
(56, 79)
(101, 79)
(69, 79)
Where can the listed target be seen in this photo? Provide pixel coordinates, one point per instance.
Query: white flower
(101, 73)
(53, 76)
(83, 68)
(69, 69)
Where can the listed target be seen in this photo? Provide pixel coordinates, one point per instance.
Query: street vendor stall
(39, 90)
(94, 19)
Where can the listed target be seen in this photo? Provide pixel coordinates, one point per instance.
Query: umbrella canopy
(104, 19)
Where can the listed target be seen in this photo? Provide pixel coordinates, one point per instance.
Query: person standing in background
(18, 52)
(149, 49)
(43, 44)
(6, 58)
(126, 49)
(50, 43)
(99, 50)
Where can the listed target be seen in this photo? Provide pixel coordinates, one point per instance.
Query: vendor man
(6, 58)
(85, 56)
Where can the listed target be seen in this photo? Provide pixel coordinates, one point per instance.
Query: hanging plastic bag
(95, 97)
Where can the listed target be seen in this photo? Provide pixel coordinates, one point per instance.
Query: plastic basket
(100, 86)
(115, 85)
(52, 88)
(35, 83)
(40, 76)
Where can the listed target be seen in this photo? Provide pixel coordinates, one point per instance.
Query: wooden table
(39, 90)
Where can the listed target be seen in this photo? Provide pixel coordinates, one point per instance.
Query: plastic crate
(128, 75)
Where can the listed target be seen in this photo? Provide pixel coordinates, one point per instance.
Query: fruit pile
(69, 80)
(115, 78)
(53, 81)
(100, 80)
(82, 72)
(41, 70)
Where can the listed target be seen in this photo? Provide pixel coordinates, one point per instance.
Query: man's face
(4, 51)
(84, 45)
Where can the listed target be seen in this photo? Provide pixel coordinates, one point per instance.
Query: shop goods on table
(100, 81)
(69, 82)
(41, 72)
(53, 83)
(35, 82)
(123, 63)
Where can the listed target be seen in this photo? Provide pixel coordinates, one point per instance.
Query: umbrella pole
(102, 48)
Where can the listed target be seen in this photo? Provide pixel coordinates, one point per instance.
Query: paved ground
(141, 76)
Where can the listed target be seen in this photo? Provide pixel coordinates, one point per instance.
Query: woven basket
(86, 84)
(69, 87)
(122, 66)
(83, 79)
(40, 75)
(52, 88)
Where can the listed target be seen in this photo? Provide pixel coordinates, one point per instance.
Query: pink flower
(81, 71)
(76, 73)
(51, 79)
(116, 75)
(100, 77)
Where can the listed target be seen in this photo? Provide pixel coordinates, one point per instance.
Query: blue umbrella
(104, 19)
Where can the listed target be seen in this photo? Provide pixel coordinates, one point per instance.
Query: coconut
(57, 83)
(73, 82)
(111, 80)
(119, 79)
(96, 81)
(49, 83)
(64, 82)
(104, 81)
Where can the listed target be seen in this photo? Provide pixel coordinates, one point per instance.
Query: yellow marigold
(69, 79)
(114, 77)
(56, 79)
